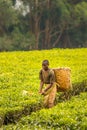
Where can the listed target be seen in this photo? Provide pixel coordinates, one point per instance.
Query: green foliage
(22, 41)
(17, 41)
(69, 115)
(81, 12)
(64, 9)
(5, 43)
(19, 72)
(8, 15)
(61, 22)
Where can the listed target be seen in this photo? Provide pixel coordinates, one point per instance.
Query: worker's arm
(52, 80)
(41, 82)
(47, 88)
(41, 86)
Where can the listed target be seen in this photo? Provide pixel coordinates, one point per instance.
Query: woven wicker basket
(63, 78)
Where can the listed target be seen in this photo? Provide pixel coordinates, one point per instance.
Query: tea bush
(70, 115)
(19, 72)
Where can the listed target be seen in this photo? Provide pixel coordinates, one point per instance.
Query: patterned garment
(49, 96)
(47, 77)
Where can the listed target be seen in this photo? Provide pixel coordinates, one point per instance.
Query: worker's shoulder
(40, 71)
(51, 71)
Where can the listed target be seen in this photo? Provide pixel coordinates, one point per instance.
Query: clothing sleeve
(40, 75)
(52, 77)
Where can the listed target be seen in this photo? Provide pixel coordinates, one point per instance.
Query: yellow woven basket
(63, 78)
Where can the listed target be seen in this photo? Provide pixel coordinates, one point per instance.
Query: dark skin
(45, 67)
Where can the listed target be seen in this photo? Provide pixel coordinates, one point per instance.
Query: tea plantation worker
(47, 78)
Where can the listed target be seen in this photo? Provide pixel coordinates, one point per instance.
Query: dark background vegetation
(42, 24)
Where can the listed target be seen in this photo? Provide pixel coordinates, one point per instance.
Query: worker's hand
(40, 92)
(43, 92)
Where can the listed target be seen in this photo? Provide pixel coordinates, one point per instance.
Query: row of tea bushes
(69, 115)
(19, 73)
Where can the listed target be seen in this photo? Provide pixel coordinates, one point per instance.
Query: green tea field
(21, 104)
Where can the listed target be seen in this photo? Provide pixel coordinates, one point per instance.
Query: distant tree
(8, 16)
(43, 24)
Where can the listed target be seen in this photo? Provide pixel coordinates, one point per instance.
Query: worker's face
(45, 66)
